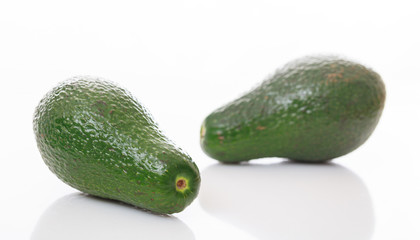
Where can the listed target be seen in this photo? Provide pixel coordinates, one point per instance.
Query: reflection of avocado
(313, 109)
(289, 200)
(97, 138)
(77, 216)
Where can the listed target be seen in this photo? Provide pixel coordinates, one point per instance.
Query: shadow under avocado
(80, 216)
(289, 200)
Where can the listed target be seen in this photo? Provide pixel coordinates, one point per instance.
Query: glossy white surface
(183, 59)
(79, 216)
(290, 201)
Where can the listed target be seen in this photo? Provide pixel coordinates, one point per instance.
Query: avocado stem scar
(181, 184)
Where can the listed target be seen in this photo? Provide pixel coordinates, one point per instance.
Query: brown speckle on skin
(334, 77)
(261, 128)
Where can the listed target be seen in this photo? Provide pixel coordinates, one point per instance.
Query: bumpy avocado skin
(96, 137)
(313, 109)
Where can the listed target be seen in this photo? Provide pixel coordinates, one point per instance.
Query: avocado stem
(181, 184)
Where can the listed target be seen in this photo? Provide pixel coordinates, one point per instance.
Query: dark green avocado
(96, 137)
(313, 109)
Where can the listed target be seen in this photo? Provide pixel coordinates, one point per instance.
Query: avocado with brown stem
(96, 137)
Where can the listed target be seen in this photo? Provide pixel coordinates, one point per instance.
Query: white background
(182, 59)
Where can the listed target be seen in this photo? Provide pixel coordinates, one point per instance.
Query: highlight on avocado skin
(313, 109)
(96, 137)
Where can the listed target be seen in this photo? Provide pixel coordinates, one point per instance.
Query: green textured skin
(313, 109)
(97, 138)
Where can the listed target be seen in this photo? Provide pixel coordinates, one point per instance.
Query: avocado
(314, 109)
(96, 137)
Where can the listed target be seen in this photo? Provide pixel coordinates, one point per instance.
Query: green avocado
(96, 137)
(313, 109)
